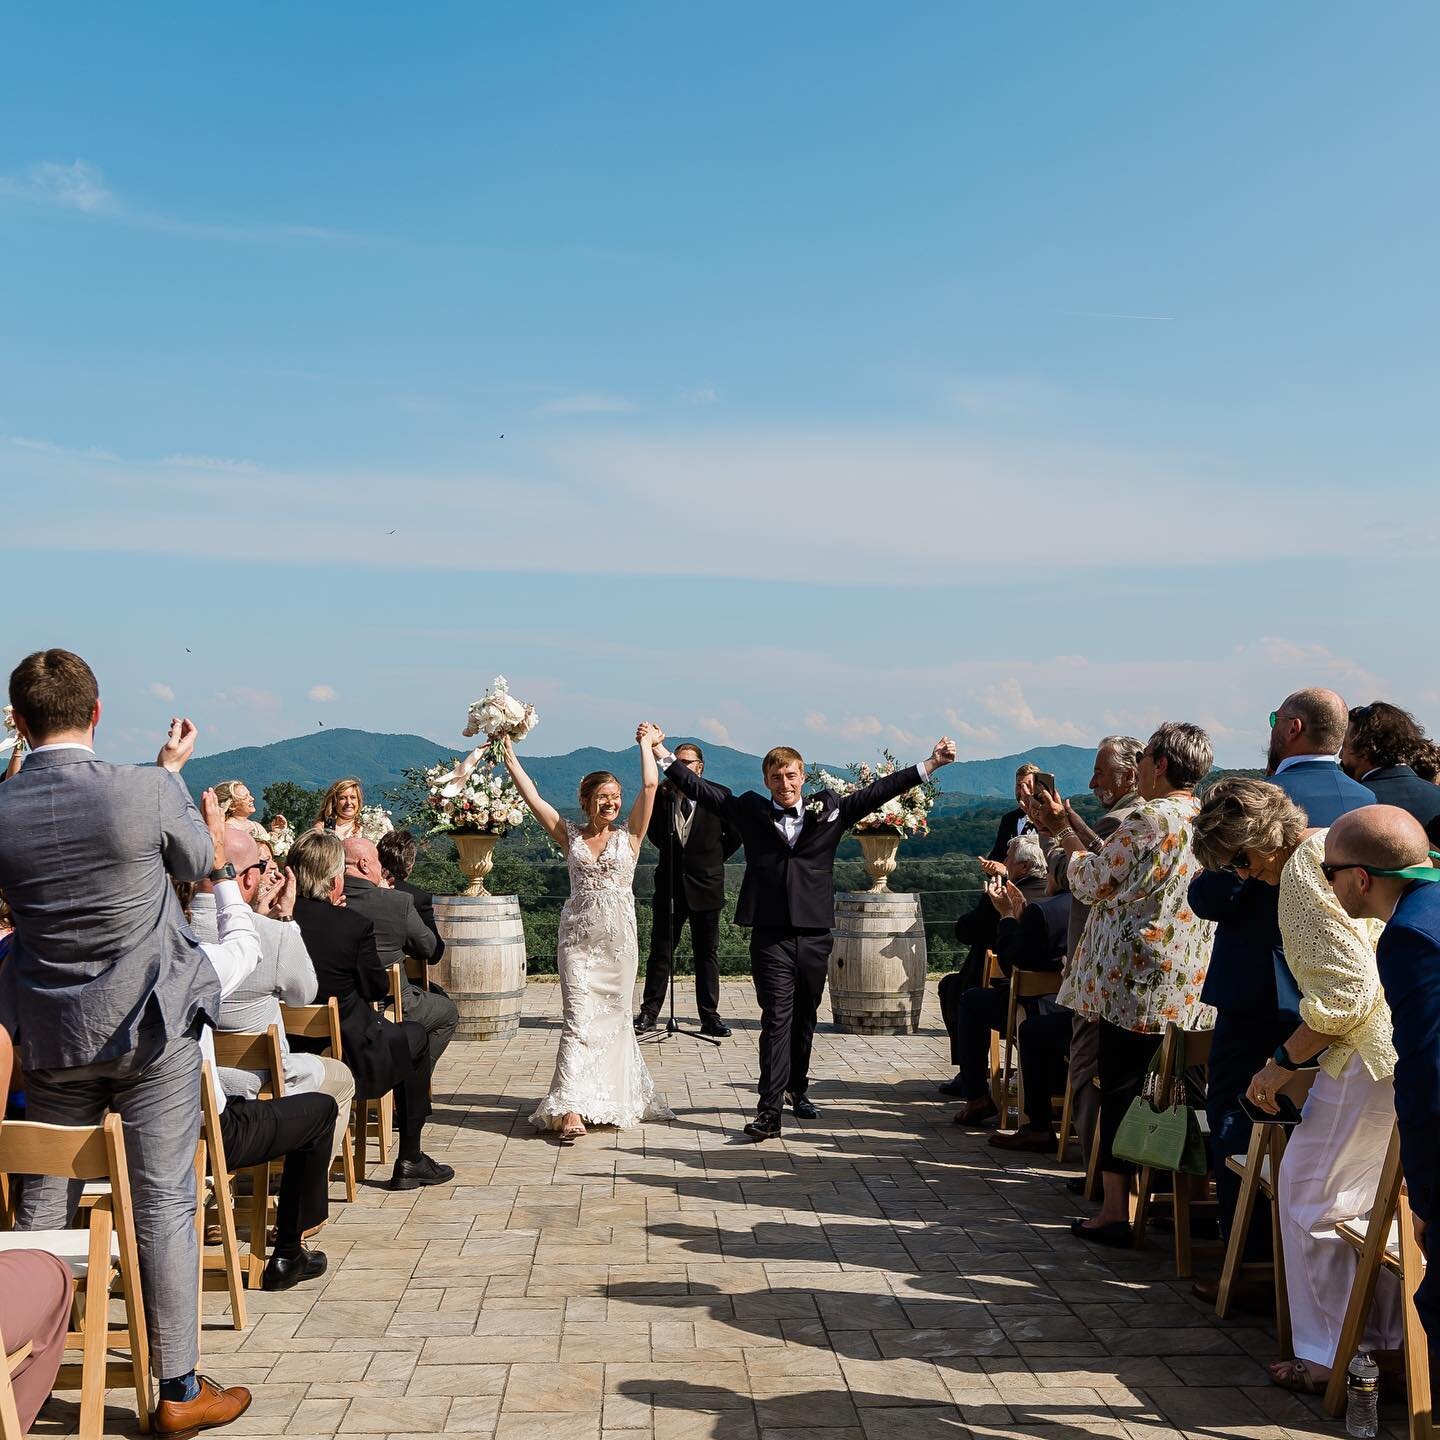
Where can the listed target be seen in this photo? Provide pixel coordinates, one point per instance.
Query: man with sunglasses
(1379, 863)
(1249, 984)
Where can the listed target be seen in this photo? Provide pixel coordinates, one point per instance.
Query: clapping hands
(179, 746)
(1006, 897)
(213, 814)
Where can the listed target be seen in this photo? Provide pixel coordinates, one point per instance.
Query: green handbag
(1163, 1138)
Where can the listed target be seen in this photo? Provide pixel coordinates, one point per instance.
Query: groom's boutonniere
(815, 806)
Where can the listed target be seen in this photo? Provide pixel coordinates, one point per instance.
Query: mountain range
(379, 760)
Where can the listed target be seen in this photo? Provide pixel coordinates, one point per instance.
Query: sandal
(569, 1134)
(1296, 1376)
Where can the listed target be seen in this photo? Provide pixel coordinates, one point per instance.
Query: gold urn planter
(879, 851)
(476, 858)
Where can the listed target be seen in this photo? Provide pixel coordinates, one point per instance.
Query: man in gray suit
(106, 988)
(399, 931)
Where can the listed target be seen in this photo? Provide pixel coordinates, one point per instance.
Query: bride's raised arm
(645, 800)
(548, 816)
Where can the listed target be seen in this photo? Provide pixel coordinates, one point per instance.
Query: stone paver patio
(878, 1275)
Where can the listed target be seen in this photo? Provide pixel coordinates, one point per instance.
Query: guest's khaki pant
(34, 1306)
(339, 1085)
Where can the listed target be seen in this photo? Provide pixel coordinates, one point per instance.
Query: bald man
(1379, 861)
(399, 931)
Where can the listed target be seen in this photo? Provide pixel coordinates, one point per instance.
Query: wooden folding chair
(418, 972)
(224, 1270)
(97, 1257)
(9, 1415)
(379, 1122)
(1024, 985)
(238, 1050)
(1385, 1240)
(322, 1022)
(1258, 1169)
(1179, 1198)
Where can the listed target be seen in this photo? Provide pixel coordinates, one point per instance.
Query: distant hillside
(378, 760)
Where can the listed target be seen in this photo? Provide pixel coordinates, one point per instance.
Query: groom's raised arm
(859, 803)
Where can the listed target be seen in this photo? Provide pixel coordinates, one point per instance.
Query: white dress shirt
(1305, 760)
(234, 956)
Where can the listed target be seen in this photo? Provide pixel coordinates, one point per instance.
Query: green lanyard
(1426, 873)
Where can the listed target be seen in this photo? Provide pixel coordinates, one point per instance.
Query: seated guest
(340, 808)
(106, 987)
(294, 1129)
(399, 932)
(1332, 1161)
(1380, 866)
(1255, 998)
(284, 975)
(397, 859)
(1380, 744)
(238, 805)
(34, 1301)
(1024, 872)
(1012, 822)
(1142, 958)
(381, 1054)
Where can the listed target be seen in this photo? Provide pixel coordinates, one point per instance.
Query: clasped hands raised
(649, 733)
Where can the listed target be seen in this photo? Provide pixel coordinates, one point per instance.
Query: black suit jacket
(1036, 941)
(789, 888)
(425, 909)
(399, 931)
(341, 945)
(1008, 829)
(693, 873)
(1400, 785)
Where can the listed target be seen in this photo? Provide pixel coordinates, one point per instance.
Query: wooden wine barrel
(877, 965)
(483, 967)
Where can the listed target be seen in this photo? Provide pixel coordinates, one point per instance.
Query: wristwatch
(1282, 1058)
(221, 872)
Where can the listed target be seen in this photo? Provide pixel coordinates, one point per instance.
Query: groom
(787, 899)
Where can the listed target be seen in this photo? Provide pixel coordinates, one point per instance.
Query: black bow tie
(779, 812)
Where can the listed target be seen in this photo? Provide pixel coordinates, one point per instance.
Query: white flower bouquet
(9, 737)
(905, 815)
(479, 803)
(374, 822)
(497, 713)
(281, 841)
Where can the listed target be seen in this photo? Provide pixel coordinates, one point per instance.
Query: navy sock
(184, 1387)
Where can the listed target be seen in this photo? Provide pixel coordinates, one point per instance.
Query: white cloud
(701, 395)
(587, 403)
(162, 692)
(712, 729)
(321, 694)
(1006, 701)
(76, 186)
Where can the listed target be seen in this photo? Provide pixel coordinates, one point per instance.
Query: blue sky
(1021, 371)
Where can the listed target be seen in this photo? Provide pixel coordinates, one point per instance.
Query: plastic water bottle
(1362, 1397)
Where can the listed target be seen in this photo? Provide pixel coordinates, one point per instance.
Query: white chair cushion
(71, 1246)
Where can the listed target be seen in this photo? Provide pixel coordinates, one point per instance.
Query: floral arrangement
(907, 814)
(374, 822)
(496, 714)
(281, 840)
(477, 803)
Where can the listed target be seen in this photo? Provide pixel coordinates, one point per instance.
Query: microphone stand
(672, 1027)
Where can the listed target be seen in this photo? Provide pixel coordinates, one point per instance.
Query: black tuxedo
(787, 899)
(381, 1055)
(1005, 832)
(689, 885)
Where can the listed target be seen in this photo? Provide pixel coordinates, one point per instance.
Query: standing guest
(787, 899)
(1379, 863)
(239, 806)
(1141, 961)
(694, 845)
(340, 808)
(1254, 994)
(399, 932)
(1012, 822)
(1380, 745)
(1332, 1161)
(34, 1301)
(1007, 895)
(383, 1055)
(397, 849)
(283, 976)
(107, 988)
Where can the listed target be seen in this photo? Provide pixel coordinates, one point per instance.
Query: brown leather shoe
(211, 1407)
(1036, 1140)
(979, 1113)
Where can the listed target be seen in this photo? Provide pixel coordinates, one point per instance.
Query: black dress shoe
(717, 1027)
(412, 1174)
(644, 1021)
(1076, 1184)
(952, 1088)
(765, 1126)
(802, 1107)
(281, 1274)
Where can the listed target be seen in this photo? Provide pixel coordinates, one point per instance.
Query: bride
(600, 1075)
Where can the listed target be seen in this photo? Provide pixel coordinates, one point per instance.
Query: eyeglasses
(1410, 872)
(1239, 861)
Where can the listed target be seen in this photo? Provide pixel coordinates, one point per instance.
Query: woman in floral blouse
(1141, 960)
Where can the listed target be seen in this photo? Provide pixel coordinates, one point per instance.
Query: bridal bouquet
(280, 841)
(9, 737)
(907, 814)
(479, 803)
(496, 714)
(374, 822)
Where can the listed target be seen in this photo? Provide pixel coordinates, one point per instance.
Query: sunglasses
(260, 865)
(1239, 861)
(1410, 872)
(1274, 716)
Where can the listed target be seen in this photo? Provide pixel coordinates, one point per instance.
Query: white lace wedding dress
(599, 1073)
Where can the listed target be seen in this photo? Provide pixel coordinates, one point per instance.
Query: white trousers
(1330, 1173)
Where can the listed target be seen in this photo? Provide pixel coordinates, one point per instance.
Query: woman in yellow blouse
(1332, 1162)
(1141, 960)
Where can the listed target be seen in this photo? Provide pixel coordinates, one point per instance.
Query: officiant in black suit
(694, 845)
(787, 899)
